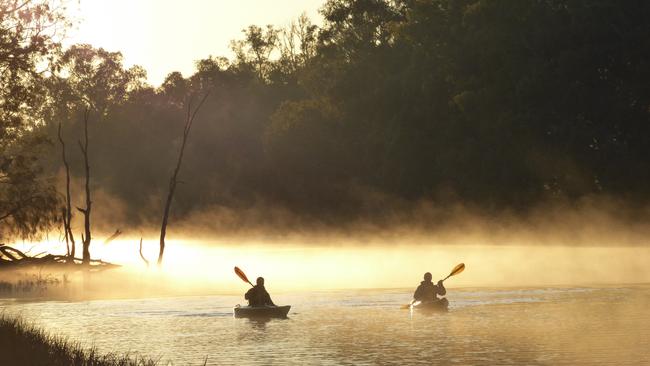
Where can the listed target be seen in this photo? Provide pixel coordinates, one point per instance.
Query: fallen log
(14, 258)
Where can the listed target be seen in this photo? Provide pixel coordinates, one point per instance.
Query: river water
(485, 326)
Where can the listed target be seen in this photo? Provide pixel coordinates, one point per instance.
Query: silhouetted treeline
(499, 104)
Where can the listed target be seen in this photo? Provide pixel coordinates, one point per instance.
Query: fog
(204, 267)
(597, 242)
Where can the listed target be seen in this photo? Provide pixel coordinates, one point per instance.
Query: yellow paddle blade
(458, 269)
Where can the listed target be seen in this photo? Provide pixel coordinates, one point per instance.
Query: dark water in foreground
(487, 326)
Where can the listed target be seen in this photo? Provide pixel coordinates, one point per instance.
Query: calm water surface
(487, 326)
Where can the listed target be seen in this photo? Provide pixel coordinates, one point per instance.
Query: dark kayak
(433, 306)
(262, 311)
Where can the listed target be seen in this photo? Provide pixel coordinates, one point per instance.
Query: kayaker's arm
(442, 291)
(417, 296)
(268, 300)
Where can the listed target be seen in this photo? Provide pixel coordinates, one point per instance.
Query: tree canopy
(497, 104)
(28, 199)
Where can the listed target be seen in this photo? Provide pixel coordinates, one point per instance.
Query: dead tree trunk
(67, 210)
(86, 211)
(172, 181)
(65, 231)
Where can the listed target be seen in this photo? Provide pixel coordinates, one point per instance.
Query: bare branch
(141, 255)
(117, 233)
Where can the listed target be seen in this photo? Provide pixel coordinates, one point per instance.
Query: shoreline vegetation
(384, 111)
(25, 344)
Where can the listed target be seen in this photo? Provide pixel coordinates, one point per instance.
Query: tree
(27, 42)
(497, 104)
(297, 45)
(67, 210)
(189, 120)
(90, 82)
(28, 201)
(255, 50)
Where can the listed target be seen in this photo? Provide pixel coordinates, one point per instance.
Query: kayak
(439, 305)
(262, 311)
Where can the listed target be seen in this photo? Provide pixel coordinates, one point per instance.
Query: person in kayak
(427, 291)
(258, 296)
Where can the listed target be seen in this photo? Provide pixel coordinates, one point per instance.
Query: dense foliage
(28, 201)
(499, 104)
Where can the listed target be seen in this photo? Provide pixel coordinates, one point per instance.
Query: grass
(24, 344)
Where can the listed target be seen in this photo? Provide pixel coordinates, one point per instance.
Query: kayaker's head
(428, 277)
(260, 281)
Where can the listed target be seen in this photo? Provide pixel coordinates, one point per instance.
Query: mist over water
(529, 297)
(567, 287)
(206, 266)
(295, 267)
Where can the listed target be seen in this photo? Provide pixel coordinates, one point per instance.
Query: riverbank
(24, 344)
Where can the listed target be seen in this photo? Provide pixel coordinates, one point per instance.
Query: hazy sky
(169, 35)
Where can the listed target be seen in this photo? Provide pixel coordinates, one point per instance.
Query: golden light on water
(207, 266)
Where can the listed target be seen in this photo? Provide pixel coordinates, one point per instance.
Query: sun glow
(193, 266)
(170, 35)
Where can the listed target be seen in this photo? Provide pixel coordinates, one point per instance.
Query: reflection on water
(542, 326)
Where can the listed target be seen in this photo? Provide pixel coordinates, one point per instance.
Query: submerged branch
(11, 258)
(117, 233)
(142, 255)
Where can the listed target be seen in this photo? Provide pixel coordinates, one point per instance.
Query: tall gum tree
(90, 82)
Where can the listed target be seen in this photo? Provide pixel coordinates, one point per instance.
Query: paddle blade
(458, 269)
(409, 306)
(241, 275)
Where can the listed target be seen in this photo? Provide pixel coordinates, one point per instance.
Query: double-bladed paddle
(242, 275)
(458, 269)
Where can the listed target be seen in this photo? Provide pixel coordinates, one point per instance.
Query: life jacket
(427, 291)
(258, 296)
